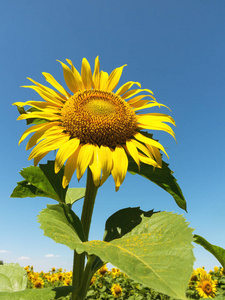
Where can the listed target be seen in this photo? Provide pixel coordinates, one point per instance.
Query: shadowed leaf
(217, 251)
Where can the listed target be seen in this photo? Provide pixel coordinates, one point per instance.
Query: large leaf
(153, 253)
(217, 251)
(12, 278)
(123, 221)
(41, 181)
(61, 224)
(163, 177)
(38, 294)
(74, 194)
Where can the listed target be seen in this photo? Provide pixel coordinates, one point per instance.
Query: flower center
(207, 288)
(99, 117)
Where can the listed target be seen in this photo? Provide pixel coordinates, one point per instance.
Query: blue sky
(175, 48)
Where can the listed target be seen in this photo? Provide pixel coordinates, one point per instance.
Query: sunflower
(94, 126)
(116, 290)
(206, 287)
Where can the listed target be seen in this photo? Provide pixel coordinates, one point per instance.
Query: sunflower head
(116, 290)
(93, 125)
(206, 287)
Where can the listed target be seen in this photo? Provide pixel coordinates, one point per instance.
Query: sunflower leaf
(74, 194)
(38, 294)
(123, 221)
(12, 278)
(163, 177)
(217, 251)
(153, 253)
(61, 224)
(41, 182)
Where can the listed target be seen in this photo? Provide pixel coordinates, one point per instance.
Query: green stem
(79, 259)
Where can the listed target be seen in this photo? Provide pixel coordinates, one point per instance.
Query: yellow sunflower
(206, 287)
(94, 126)
(116, 290)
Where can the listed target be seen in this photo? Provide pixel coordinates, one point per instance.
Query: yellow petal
(139, 103)
(36, 128)
(106, 162)
(41, 134)
(103, 81)
(148, 161)
(45, 95)
(157, 126)
(49, 78)
(143, 148)
(96, 73)
(137, 98)
(114, 78)
(50, 91)
(84, 159)
(120, 165)
(77, 77)
(70, 167)
(39, 157)
(64, 152)
(149, 141)
(48, 145)
(40, 115)
(156, 116)
(150, 105)
(96, 166)
(125, 87)
(69, 78)
(134, 92)
(133, 151)
(156, 153)
(86, 74)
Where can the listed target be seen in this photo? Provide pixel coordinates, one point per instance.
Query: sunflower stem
(81, 276)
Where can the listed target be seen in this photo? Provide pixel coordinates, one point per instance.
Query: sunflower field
(112, 284)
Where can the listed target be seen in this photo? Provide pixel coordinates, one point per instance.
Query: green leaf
(153, 253)
(25, 189)
(217, 251)
(123, 221)
(42, 182)
(74, 194)
(162, 177)
(61, 224)
(12, 278)
(38, 294)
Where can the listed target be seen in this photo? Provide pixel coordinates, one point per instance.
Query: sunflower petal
(114, 78)
(77, 77)
(70, 167)
(96, 166)
(64, 152)
(69, 77)
(133, 151)
(148, 161)
(84, 159)
(120, 165)
(49, 78)
(48, 145)
(125, 87)
(39, 157)
(149, 141)
(136, 91)
(86, 74)
(40, 115)
(106, 162)
(103, 80)
(96, 73)
(150, 105)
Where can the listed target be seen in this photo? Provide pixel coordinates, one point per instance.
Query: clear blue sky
(175, 48)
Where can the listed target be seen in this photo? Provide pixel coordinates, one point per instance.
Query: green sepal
(41, 181)
(60, 223)
(217, 251)
(163, 177)
(123, 221)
